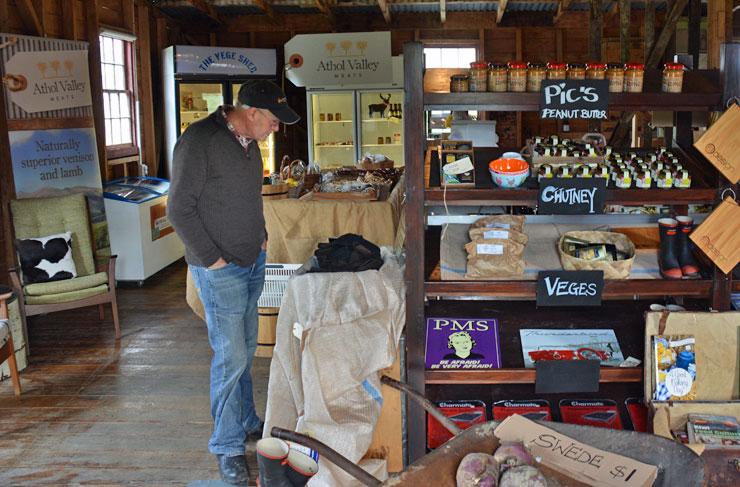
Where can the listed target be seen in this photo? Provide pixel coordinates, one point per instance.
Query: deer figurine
(380, 107)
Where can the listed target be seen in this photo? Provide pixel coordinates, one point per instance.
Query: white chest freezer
(140, 233)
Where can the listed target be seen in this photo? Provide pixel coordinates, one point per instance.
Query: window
(449, 57)
(116, 67)
(446, 57)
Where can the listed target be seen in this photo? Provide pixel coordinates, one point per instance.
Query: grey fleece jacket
(215, 202)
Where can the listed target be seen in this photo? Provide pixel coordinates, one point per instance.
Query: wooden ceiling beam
(325, 7)
(206, 9)
(563, 6)
(500, 9)
(265, 6)
(29, 17)
(385, 10)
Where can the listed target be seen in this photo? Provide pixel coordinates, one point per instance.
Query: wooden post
(4, 16)
(719, 15)
(624, 30)
(127, 14)
(7, 256)
(96, 81)
(146, 99)
(694, 31)
(595, 26)
(414, 274)
(559, 44)
(69, 22)
(649, 26)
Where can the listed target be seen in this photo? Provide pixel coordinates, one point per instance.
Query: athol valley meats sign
(339, 59)
(48, 80)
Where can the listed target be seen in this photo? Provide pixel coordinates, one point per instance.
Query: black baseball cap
(261, 93)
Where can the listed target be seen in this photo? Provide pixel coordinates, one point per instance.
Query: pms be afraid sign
(567, 99)
(570, 288)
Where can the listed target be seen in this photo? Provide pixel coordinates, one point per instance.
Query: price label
(622, 473)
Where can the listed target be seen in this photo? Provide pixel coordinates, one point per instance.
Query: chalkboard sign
(569, 288)
(567, 99)
(571, 196)
(566, 376)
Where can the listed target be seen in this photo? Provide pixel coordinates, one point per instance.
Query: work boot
(668, 254)
(234, 470)
(271, 459)
(689, 267)
(301, 468)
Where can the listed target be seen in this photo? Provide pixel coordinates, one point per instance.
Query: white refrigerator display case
(346, 124)
(198, 79)
(140, 233)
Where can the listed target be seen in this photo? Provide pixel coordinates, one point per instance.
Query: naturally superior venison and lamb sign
(561, 99)
(356, 58)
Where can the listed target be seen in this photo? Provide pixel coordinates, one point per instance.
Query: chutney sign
(571, 196)
(561, 99)
(356, 58)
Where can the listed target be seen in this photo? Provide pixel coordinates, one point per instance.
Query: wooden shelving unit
(427, 297)
(613, 289)
(519, 376)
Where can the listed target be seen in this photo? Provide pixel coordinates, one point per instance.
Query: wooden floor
(97, 412)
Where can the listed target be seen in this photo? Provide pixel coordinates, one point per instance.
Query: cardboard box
(574, 459)
(717, 367)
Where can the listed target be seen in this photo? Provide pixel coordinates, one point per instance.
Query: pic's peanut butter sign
(43, 81)
(356, 58)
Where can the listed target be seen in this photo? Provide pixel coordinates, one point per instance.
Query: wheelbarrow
(677, 464)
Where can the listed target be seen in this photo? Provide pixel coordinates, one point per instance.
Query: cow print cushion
(47, 259)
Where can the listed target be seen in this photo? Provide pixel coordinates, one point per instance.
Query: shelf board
(369, 120)
(382, 145)
(333, 121)
(700, 92)
(613, 288)
(528, 196)
(335, 146)
(520, 376)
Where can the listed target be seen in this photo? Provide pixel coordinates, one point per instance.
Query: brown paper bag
(719, 235)
(505, 222)
(498, 234)
(488, 259)
(721, 144)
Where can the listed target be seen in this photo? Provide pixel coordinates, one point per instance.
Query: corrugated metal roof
(181, 8)
(531, 6)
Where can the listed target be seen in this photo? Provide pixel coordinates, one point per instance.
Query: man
(215, 206)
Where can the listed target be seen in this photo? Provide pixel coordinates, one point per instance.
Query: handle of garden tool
(324, 450)
(424, 402)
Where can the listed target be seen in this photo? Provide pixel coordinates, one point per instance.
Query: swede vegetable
(477, 470)
(522, 476)
(512, 454)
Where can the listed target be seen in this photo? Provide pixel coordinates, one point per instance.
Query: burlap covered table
(296, 227)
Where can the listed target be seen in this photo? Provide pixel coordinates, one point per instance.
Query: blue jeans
(229, 297)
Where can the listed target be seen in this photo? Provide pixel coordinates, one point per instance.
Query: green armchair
(38, 217)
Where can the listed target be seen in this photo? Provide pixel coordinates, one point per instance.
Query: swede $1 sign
(569, 99)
